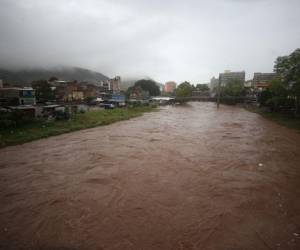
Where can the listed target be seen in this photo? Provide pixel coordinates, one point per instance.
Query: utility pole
(219, 93)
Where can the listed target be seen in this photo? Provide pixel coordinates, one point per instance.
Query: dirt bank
(183, 178)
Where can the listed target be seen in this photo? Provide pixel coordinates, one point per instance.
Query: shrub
(60, 115)
(14, 119)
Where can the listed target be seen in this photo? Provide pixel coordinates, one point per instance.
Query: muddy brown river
(186, 177)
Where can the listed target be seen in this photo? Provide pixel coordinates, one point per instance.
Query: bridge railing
(225, 99)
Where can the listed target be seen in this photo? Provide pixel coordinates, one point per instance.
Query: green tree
(53, 78)
(264, 97)
(202, 87)
(184, 90)
(288, 67)
(279, 95)
(43, 90)
(148, 86)
(234, 88)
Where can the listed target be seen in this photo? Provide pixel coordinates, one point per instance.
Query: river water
(186, 177)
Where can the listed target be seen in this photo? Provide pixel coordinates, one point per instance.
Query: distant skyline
(170, 40)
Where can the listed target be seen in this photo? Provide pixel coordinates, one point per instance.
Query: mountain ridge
(24, 77)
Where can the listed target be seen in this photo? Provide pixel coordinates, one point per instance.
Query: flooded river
(188, 177)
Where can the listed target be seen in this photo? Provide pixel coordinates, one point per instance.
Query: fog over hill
(26, 76)
(181, 40)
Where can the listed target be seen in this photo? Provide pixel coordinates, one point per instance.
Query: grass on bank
(41, 129)
(287, 120)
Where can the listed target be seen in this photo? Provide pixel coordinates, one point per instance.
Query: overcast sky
(163, 39)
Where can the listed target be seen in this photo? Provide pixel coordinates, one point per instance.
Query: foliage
(234, 88)
(202, 87)
(263, 97)
(288, 67)
(184, 90)
(43, 90)
(40, 128)
(137, 92)
(53, 78)
(89, 99)
(14, 119)
(148, 86)
(283, 119)
(275, 96)
(277, 88)
(6, 121)
(60, 115)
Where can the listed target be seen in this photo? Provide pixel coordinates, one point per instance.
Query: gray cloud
(166, 40)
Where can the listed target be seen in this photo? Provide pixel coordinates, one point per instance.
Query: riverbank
(287, 120)
(41, 129)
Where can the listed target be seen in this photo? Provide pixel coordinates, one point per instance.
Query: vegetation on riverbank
(41, 128)
(284, 93)
(284, 119)
(280, 101)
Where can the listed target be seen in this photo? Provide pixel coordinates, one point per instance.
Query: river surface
(186, 177)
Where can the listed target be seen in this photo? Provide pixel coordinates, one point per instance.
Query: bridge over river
(186, 177)
(228, 100)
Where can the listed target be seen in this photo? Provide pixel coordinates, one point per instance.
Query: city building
(263, 80)
(111, 85)
(213, 83)
(74, 92)
(17, 96)
(105, 86)
(68, 92)
(228, 76)
(89, 90)
(170, 87)
(115, 84)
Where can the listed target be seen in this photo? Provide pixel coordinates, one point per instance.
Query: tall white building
(213, 83)
(115, 84)
(228, 76)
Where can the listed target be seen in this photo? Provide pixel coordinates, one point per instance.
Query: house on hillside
(89, 90)
(69, 92)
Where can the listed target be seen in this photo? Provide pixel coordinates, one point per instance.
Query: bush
(184, 90)
(263, 97)
(14, 119)
(60, 115)
(275, 103)
(6, 123)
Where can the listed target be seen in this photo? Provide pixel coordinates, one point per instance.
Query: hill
(25, 77)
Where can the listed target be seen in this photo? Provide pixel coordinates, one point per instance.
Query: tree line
(283, 94)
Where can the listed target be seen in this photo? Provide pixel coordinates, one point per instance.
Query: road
(187, 177)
